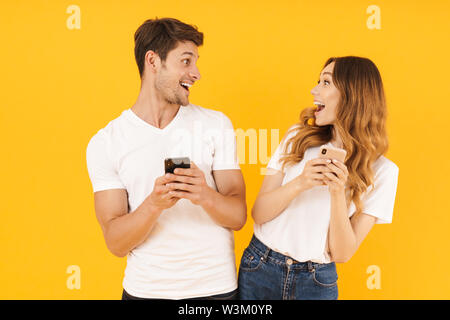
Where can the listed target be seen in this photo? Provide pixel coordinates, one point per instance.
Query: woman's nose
(314, 91)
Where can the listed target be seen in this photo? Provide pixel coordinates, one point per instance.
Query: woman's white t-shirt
(301, 230)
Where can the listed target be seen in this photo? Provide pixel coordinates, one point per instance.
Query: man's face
(178, 73)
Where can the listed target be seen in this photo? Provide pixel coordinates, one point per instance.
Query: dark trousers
(232, 295)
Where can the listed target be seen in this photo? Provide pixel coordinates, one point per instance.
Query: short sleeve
(380, 199)
(225, 154)
(274, 162)
(100, 167)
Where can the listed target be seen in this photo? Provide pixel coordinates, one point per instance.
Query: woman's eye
(324, 81)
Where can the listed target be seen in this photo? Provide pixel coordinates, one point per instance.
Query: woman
(310, 212)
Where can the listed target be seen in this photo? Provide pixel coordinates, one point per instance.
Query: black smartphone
(171, 164)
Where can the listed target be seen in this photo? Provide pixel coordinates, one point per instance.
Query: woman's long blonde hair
(360, 122)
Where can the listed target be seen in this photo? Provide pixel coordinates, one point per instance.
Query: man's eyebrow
(189, 53)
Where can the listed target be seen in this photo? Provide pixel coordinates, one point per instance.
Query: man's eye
(186, 61)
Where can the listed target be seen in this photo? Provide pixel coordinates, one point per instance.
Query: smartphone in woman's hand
(327, 152)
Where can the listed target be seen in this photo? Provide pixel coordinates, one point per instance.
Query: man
(175, 229)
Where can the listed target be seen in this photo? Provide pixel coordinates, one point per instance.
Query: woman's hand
(313, 174)
(336, 182)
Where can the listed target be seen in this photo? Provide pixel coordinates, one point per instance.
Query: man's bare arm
(124, 231)
(228, 206)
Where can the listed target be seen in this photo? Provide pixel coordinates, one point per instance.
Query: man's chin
(178, 102)
(183, 102)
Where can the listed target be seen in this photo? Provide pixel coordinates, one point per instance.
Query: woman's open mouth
(320, 107)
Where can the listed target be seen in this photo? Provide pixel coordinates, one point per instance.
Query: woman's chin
(320, 123)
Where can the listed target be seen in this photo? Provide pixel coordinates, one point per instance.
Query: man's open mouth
(185, 85)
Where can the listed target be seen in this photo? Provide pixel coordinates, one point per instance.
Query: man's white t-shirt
(301, 230)
(186, 254)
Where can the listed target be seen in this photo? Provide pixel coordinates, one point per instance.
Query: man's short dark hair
(161, 36)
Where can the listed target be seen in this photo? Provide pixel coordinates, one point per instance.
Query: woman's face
(326, 97)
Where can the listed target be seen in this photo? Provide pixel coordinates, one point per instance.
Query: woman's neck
(336, 139)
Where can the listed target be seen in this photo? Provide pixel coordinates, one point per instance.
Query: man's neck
(154, 110)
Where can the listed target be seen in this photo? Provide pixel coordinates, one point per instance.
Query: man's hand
(226, 206)
(160, 196)
(190, 184)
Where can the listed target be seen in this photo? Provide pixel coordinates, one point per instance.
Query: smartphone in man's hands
(170, 164)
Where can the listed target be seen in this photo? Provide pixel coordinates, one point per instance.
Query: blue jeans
(268, 275)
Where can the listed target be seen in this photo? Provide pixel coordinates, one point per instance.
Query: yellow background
(259, 61)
